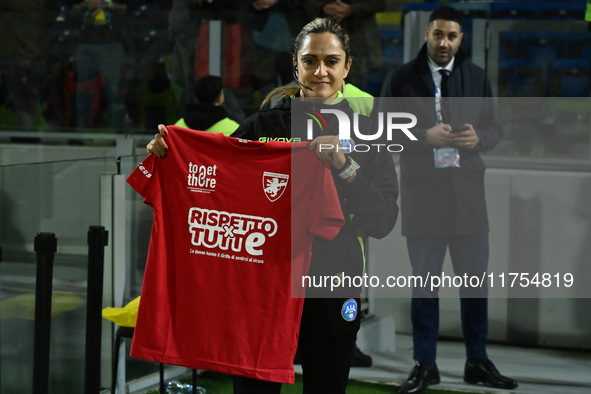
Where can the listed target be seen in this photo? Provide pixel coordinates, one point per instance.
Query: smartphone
(460, 129)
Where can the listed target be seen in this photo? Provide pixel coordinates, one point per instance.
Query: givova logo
(347, 128)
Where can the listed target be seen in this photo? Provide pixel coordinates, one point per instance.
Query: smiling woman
(324, 65)
(367, 191)
(321, 61)
(367, 187)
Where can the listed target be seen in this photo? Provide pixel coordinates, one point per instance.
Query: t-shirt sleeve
(141, 179)
(330, 218)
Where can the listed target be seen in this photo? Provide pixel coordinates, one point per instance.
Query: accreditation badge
(347, 145)
(349, 309)
(446, 157)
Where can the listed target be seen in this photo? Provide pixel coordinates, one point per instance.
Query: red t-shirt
(231, 219)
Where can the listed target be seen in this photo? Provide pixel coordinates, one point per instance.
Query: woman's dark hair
(316, 26)
(323, 25)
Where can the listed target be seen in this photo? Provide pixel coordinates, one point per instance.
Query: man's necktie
(444, 75)
(444, 95)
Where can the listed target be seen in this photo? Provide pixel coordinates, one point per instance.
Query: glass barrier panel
(60, 197)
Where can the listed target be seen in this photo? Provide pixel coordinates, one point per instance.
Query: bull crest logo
(274, 185)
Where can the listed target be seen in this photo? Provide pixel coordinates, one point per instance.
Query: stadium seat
(569, 10)
(393, 46)
(570, 78)
(579, 46)
(408, 7)
(544, 46)
(471, 10)
(508, 45)
(520, 78)
(514, 10)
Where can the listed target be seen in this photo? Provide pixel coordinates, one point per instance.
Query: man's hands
(467, 139)
(157, 146)
(337, 10)
(263, 4)
(441, 135)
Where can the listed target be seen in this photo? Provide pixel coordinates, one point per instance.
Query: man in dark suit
(442, 191)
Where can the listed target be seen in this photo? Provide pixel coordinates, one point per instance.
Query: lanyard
(438, 104)
(446, 156)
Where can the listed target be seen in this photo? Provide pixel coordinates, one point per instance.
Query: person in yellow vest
(359, 100)
(208, 113)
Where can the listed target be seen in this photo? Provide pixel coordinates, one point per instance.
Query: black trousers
(469, 255)
(326, 344)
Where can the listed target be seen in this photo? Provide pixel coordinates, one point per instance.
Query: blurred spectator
(184, 20)
(23, 49)
(208, 113)
(7, 115)
(100, 63)
(358, 18)
(158, 98)
(58, 91)
(273, 24)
